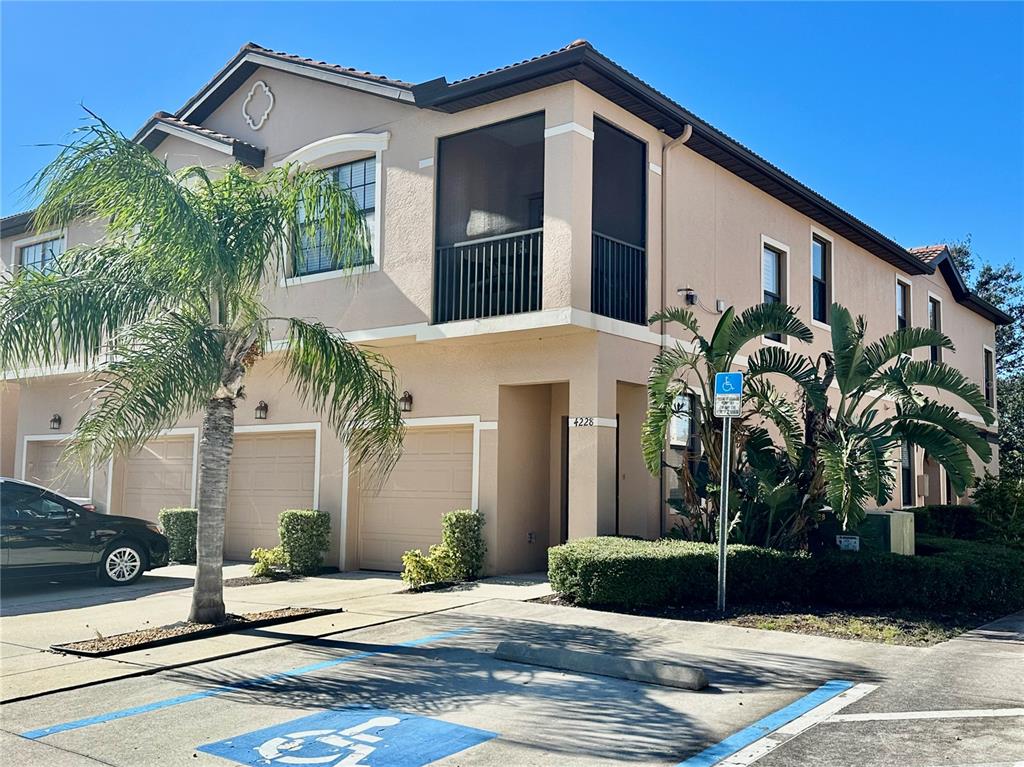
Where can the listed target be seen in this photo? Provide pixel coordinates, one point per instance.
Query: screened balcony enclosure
(618, 246)
(490, 211)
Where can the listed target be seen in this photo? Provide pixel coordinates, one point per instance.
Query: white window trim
(412, 423)
(943, 353)
(326, 153)
(909, 307)
(35, 239)
(914, 474)
(995, 375)
(831, 297)
(783, 248)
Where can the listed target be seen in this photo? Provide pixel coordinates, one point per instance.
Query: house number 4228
(582, 421)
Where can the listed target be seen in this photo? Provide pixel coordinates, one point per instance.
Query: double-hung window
(907, 474)
(360, 179)
(821, 267)
(935, 323)
(902, 305)
(772, 264)
(41, 256)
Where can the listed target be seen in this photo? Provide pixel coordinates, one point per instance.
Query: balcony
(618, 279)
(488, 277)
(490, 208)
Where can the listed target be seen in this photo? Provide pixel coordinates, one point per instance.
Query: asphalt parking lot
(427, 690)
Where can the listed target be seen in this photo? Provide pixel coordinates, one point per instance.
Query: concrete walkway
(36, 616)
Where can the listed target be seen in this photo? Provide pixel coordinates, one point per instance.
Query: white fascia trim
(313, 426)
(187, 135)
(377, 89)
(557, 130)
(311, 153)
(655, 168)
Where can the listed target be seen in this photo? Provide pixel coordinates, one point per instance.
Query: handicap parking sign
(354, 737)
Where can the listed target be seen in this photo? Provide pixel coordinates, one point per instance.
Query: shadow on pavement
(571, 714)
(30, 595)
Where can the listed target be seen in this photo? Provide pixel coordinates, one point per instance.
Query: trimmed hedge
(458, 557)
(947, 521)
(305, 536)
(179, 526)
(631, 574)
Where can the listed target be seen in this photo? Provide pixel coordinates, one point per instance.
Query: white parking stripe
(965, 713)
(816, 715)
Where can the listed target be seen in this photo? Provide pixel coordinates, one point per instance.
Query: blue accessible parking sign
(355, 737)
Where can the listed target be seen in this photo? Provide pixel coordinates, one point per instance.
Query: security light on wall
(405, 402)
(261, 411)
(55, 421)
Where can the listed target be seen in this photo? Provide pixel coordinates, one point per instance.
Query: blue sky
(910, 116)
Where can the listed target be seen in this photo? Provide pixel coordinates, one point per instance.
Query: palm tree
(166, 315)
(856, 442)
(691, 367)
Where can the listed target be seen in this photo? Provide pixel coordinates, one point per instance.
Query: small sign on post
(728, 405)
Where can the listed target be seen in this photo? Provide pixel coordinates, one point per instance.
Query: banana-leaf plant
(858, 439)
(689, 366)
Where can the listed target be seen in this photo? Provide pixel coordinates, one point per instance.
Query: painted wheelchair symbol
(727, 385)
(330, 748)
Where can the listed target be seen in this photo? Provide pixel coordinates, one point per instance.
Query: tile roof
(928, 253)
(350, 71)
(169, 119)
(574, 44)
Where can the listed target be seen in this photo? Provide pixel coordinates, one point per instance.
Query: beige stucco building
(525, 222)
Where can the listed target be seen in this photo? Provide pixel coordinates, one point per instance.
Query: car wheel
(123, 563)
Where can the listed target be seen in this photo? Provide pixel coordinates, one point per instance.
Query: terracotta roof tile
(352, 72)
(169, 119)
(928, 253)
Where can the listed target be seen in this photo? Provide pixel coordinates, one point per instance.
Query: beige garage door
(159, 476)
(269, 473)
(42, 466)
(434, 476)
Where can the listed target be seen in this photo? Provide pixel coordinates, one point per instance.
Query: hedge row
(624, 573)
(947, 521)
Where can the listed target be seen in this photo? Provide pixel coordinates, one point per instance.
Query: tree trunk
(215, 446)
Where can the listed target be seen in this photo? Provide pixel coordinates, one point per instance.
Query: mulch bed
(184, 631)
(902, 627)
(254, 580)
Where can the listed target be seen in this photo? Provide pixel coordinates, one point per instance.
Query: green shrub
(946, 521)
(305, 536)
(630, 574)
(459, 556)
(179, 526)
(1000, 501)
(268, 561)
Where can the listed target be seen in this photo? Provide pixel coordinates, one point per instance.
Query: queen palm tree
(166, 315)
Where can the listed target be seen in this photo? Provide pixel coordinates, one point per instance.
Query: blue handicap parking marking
(728, 383)
(354, 737)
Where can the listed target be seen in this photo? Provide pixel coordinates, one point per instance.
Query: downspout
(682, 138)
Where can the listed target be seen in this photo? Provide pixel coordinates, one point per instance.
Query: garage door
(269, 473)
(159, 476)
(42, 466)
(434, 476)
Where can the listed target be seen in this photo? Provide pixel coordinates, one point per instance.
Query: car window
(27, 504)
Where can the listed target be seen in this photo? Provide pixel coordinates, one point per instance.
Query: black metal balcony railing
(618, 280)
(488, 277)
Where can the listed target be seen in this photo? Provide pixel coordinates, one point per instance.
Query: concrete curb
(634, 669)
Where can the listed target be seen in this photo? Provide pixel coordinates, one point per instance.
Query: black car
(43, 533)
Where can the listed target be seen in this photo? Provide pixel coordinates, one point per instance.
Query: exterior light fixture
(405, 402)
(261, 411)
(55, 421)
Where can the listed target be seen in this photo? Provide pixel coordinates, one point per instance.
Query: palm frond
(773, 360)
(767, 319)
(907, 376)
(663, 386)
(949, 420)
(847, 349)
(766, 401)
(353, 388)
(943, 447)
(170, 366)
(903, 341)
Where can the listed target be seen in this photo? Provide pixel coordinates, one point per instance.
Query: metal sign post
(728, 405)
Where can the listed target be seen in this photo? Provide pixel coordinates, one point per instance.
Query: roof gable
(163, 124)
(940, 258)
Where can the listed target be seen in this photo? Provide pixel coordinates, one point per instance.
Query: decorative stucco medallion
(256, 107)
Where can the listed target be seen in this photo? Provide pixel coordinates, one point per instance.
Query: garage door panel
(158, 476)
(269, 473)
(43, 466)
(433, 476)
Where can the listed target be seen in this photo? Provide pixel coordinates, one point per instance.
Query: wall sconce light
(405, 402)
(55, 421)
(261, 411)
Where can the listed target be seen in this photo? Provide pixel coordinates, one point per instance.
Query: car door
(42, 531)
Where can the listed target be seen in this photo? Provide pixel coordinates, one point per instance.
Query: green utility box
(885, 530)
